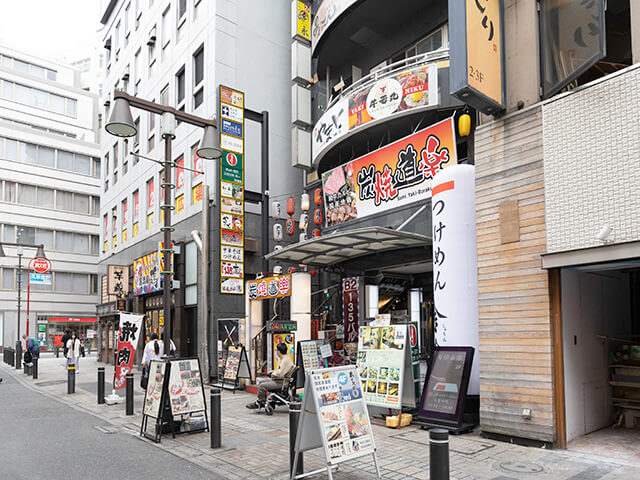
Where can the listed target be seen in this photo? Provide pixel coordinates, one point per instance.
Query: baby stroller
(284, 396)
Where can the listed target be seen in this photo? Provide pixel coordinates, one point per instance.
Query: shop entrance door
(192, 332)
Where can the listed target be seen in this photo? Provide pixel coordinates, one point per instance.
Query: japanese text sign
(128, 334)
(269, 287)
(118, 280)
(350, 303)
(302, 20)
(395, 175)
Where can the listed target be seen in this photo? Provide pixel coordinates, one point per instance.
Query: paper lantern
(316, 232)
(277, 270)
(277, 232)
(317, 216)
(304, 202)
(302, 237)
(292, 270)
(317, 196)
(304, 221)
(313, 273)
(291, 206)
(464, 125)
(276, 210)
(291, 227)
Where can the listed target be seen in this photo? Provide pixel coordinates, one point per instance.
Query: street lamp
(121, 125)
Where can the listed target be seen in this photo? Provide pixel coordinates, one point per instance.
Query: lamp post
(121, 125)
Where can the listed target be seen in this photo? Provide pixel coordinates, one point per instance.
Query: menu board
(311, 351)
(185, 387)
(233, 362)
(446, 384)
(381, 358)
(345, 425)
(153, 394)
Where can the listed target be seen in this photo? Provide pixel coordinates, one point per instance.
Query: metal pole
(100, 385)
(439, 454)
(265, 190)
(18, 344)
(71, 378)
(295, 409)
(167, 250)
(34, 369)
(205, 287)
(129, 393)
(215, 427)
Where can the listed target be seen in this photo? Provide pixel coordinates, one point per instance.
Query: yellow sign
(303, 20)
(124, 235)
(115, 241)
(179, 203)
(136, 229)
(197, 193)
(106, 245)
(484, 48)
(150, 221)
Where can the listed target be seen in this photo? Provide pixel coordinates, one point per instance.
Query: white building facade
(49, 195)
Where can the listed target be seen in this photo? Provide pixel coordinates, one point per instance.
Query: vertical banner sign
(477, 53)
(455, 260)
(303, 21)
(350, 309)
(127, 342)
(231, 128)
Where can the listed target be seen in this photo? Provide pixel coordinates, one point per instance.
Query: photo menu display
(312, 355)
(381, 364)
(344, 418)
(185, 387)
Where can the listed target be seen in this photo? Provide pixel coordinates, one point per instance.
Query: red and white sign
(74, 319)
(128, 335)
(136, 204)
(198, 164)
(151, 199)
(41, 265)
(413, 335)
(180, 173)
(350, 302)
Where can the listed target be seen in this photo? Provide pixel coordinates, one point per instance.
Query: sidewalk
(257, 446)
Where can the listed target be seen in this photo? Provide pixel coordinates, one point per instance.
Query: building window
(152, 49)
(181, 19)
(127, 12)
(116, 41)
(198, 77)
(136, 72)
(164, 96)
(26, 67)
(166, 33)
(138, 13)
(125, 156)
(37, 98)
(180, 86)
(136, 140)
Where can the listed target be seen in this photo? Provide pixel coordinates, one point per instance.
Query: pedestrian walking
(153, 350)
(73, 351)
(65, 339)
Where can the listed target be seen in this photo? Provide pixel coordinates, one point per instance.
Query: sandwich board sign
(334, 418)
(236, 366)
(385, 366)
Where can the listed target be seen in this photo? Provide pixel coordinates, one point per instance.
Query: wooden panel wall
(514, 310)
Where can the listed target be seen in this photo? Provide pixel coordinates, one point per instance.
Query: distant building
(49, 195)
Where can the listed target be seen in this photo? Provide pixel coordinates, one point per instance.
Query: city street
(46, 433)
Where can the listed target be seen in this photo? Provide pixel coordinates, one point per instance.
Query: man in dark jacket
(65, 338)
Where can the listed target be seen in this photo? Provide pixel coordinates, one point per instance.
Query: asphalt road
(42, 438)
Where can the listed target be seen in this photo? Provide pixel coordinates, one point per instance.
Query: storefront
(86, 328)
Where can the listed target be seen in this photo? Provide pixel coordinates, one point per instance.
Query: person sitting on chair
(274, 380)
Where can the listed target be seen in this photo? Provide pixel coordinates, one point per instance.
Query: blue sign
(40, 278)
(231, 128)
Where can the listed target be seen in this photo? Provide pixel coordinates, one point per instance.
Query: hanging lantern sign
(316, 232)
(317, 216)
(277, 232)
(291, 206)
(317, 196)
(291, 227)
(304, 202)
(277, 247)
(303, 237)
(304, 221)
(276, 210)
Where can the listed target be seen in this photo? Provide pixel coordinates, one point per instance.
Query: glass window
(83, 164)
(27, 195)
(164, 95)
(46, 156)
(11, 149)
(22, 94)
(180, 86)
(64, 200)
(51, 75)
(64, 241)
(45, 197)
(26, 235)
(182, 8)
(80, 283)
(96, 167)
(9, 233)
(80, 243)
(28, 153)
(20, 66)
(8, 280)
(7, 90)
(71, 107)
(44, 237)
(41, 99)
(81, 203)
(36, 70)
(62, 282)
(198, 67)
(57, 103)
(191, 264)
(41, 286)
(10, 192)
(95, 209)
(65, 160)
(198, 98)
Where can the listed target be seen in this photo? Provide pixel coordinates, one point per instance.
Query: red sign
(413, 335)
(350, 293)
(41, 265)
(150, 196)
(128, 333)
(73, 319)
(124, 212)
(180, 173)
(198, 164)
(136, 204)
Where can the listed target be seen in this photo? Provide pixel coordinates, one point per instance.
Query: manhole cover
(50, 382)
(514, 466)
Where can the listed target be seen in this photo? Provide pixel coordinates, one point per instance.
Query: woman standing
(73, 351)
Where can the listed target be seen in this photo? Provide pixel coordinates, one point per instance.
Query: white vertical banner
(301, 305)
(455, 262)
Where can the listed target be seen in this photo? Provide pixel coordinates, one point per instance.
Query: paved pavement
(256, 446)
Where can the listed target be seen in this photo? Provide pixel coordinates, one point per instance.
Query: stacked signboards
(231, 128)
(174, 390)
(312, 355)
(385, 367)
(335, 417)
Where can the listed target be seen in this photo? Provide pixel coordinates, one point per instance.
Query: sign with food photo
(395, 175)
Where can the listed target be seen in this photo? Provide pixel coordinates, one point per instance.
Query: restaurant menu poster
(344, 420)
(233, 362)
(381, 360)
(153, 394)
(185, 387)
(312, 358)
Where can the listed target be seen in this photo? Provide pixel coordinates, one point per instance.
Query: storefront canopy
(340, 247)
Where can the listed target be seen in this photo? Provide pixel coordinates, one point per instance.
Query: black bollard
(215, 427)
(100, 385)
(71, 378)
(129, 393)
(34, 369)
(439, 454)
(295, 408)
(18, 355)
